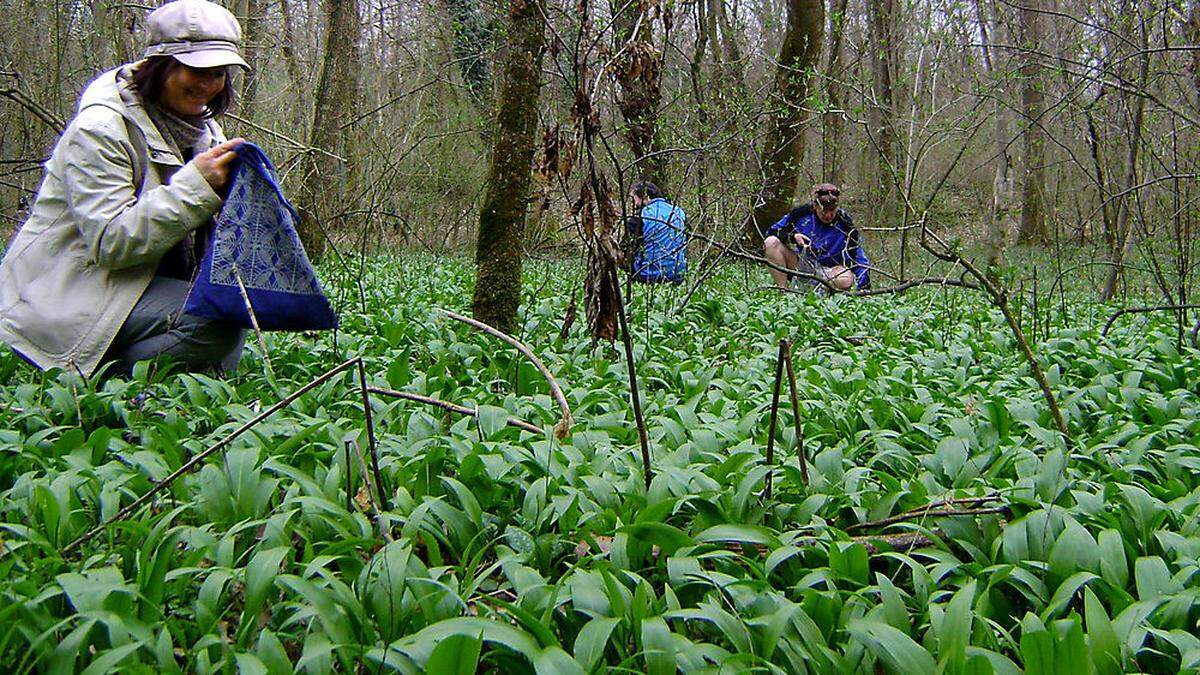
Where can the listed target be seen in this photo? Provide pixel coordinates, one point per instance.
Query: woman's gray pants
(157, 326)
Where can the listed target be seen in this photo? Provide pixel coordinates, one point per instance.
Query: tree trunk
(502, 217)
(995, 229)
(292, 65)
(253, 34)
(882, 17)
(832, 156)
(639, 72)
(1033, 192)
(798, 56)
(1125, 239)
(335, 102)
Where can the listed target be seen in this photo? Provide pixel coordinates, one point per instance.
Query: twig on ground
(564, 425)
(635, 397)
(928, 513)
(452, 407)
(380, 483)
(205, 454)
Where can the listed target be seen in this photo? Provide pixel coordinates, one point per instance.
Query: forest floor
(941, 524)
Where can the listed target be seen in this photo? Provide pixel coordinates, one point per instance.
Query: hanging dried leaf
(604, 256)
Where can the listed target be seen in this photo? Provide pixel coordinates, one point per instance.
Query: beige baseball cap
(197, 33)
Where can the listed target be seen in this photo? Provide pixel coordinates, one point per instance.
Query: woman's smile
(188, 91)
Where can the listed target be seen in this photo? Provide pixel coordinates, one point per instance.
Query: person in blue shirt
(819, 240)
(657, 236)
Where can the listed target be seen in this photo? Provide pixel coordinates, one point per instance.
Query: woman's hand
(214, 163)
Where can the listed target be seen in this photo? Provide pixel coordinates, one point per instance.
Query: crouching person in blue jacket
(819, 240)
(657, 234)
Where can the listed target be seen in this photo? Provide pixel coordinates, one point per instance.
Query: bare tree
(997, 217)
(799, 55)
(502, 219)
(882, 17)
(335, 102)
(1033, 191)
(832, 156)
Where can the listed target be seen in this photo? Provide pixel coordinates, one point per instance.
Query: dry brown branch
(564, 425)
(928, 513)
(451, 407)
(798, 421)
(262, 343)
(206, 453)
(1142, 310)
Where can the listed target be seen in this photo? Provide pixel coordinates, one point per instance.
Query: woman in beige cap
(100, 270)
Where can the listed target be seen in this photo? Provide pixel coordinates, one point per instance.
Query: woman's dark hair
(150, 76)
(645, 190)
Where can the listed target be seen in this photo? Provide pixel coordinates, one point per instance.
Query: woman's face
(188, 90)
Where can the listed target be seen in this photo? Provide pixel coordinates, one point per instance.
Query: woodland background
(1064, 124)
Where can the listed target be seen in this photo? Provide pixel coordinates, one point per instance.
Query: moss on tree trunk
(502, 218)
(798, 56)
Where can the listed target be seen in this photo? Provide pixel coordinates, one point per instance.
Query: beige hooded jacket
(115, 198)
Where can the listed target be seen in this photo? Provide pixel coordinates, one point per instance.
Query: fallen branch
(205, 454)
(451, 407)
(564, 425)
(928, 513)
(1142, 310)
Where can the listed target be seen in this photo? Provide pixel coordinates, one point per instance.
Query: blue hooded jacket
(837, 243)
(663, 257)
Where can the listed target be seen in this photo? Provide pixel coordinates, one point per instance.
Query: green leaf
(1066, 590)
(1114, 567)
(742, 534)
(667, 537)
(892, 647)
(849, 560)
(592, 641)
(456, 655)
(1103, 645)
(657, 646)
(492, 420)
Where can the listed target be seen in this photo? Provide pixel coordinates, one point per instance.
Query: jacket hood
(105, 91)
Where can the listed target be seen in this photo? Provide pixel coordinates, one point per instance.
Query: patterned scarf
(189, 136)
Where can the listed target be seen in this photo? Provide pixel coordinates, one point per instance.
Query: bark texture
(798, 57)
(502, 219)
(833, 156)
(335, 102)
(882, 17)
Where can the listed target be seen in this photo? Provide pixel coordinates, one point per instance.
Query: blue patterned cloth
(254, 240)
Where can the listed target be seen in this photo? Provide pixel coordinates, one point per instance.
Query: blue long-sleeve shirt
(663, 256)
(837, 243)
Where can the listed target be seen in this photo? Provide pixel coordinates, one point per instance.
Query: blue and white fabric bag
(254, 241)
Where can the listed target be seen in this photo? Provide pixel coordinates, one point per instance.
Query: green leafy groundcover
(516, 552)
